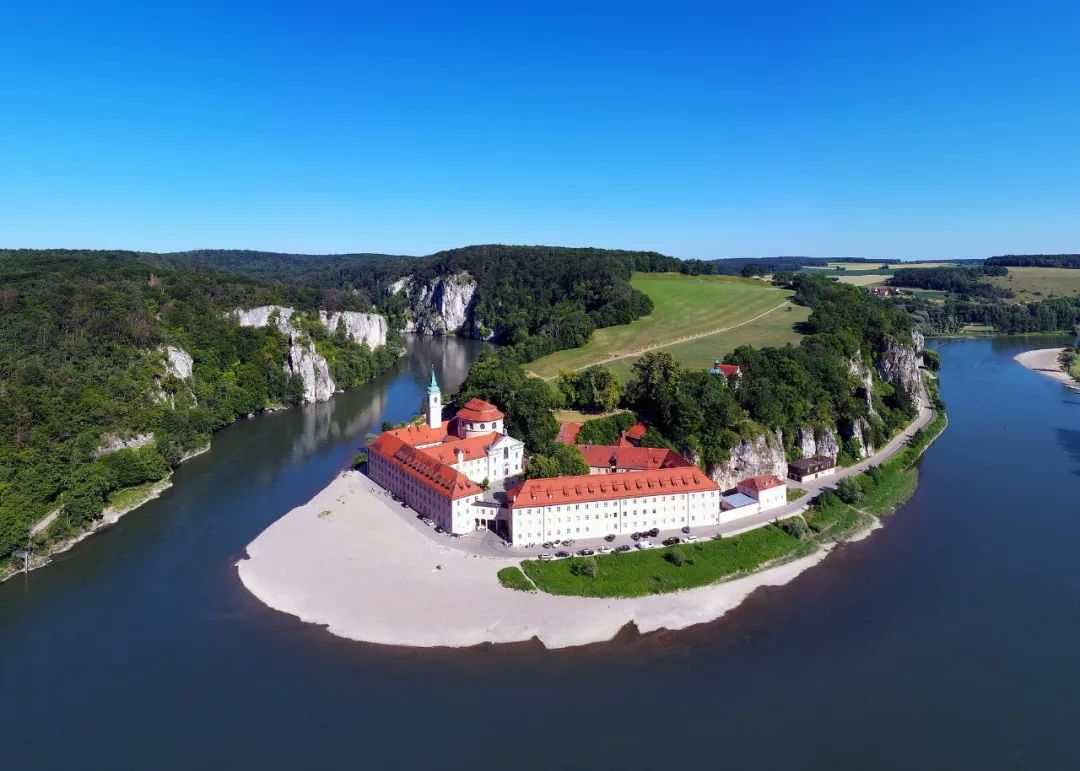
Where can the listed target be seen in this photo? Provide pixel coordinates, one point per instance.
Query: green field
(685, 306)
(776, 328)
(1032, 284)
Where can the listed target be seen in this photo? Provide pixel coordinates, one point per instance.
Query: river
(945, 640)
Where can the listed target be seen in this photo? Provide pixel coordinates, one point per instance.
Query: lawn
(684, 306)
(774, 329)
(635, 574)
(1032, 284)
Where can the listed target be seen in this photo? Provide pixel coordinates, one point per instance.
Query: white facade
(453, 515)
(470, 428)
(769, 498)
(619, 516)
(504, 458)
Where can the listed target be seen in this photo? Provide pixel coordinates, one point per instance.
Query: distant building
(727, 370)
(809, 469)
(437, 467)
(633, 436)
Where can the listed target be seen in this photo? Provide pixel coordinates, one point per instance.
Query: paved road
(487, 544)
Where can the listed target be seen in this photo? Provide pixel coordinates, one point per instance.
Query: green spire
(433, 387)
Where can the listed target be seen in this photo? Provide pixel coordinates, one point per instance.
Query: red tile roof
(568, 432)
(630, 457)
(636, 431)
(473, 447)
(761, 482)
(438, 476)
(596, 487)
(729, 369)
(421, 434)
(478, 409)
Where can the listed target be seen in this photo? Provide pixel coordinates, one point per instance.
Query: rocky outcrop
(442, 306)
(763, 454)
(899, 364)
(817, 443)
(312, 369)
(178, 362)
(859, 431)
(865, 378)
(303, 360)
(112, 443)
(362, 328)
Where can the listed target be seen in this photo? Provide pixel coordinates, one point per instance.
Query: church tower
(434, 403)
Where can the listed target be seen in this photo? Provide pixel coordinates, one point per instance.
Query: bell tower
(434, 402)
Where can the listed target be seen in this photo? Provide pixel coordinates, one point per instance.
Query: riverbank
(354, 561)
(1045, 361)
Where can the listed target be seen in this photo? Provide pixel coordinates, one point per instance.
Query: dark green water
(946, 640)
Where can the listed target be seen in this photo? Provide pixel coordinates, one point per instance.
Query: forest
(81, 361)
(1036, 260)
(965, 281)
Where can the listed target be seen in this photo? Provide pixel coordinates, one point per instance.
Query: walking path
(670, 343)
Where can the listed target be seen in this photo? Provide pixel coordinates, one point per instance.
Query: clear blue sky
(901, 130)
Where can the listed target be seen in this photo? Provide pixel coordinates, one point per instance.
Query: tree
(850, 491)
(585, 567)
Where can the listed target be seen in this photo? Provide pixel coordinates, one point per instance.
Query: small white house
(769, 490)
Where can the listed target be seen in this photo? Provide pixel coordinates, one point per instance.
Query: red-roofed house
(594, 506)
(727, 370)
(769, 490)
(604, 459)
(568, 431)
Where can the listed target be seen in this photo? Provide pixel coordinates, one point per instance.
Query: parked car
(643, 544)
(455, 535)
(671, 541)
(568, 542)
(428, 521)
(635, 536)
(609, 538)
(690, 539)
(586, 552)
(545, 556)
(623, 548)
(549, 545)
(562, 555)
(653, 533)
(604, 550)
(686, 529)
(556, 543)
(404, 505)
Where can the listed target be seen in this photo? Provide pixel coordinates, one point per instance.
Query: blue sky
(899, 130)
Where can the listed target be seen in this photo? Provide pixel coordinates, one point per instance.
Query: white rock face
(112, 443)
(821, 442)
(862, 373)
(260, 317)
(763, 455)
(178, 362)
(443, 306)
(313, 370)
(362, 328)
(304, 360)
(899, 365)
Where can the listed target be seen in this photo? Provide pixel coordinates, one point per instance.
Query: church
(443, 468)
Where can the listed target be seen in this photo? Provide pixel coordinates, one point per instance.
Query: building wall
(468, 428)
(767, 499)
(493, 465)
(596, 519)
(454, 516)
(812, 477)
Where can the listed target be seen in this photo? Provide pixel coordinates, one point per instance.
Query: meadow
(1031, 284)
(698, 307)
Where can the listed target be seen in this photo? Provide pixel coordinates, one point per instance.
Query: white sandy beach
(348, 560)
(1045, 362)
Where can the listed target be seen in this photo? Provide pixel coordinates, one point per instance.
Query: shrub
(850, 491)
(676, 557)
(359, 460)
(794, 526)
(586, 566)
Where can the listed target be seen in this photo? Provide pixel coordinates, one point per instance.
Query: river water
(946, 640)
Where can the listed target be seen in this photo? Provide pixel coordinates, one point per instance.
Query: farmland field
(685, 307)
(1032, 284)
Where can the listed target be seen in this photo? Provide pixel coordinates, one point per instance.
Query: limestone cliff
(445, 305)
(817, 442)
(176, 363)
(899, 364)
(764, 454)
(303, 360)
(362, 328)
